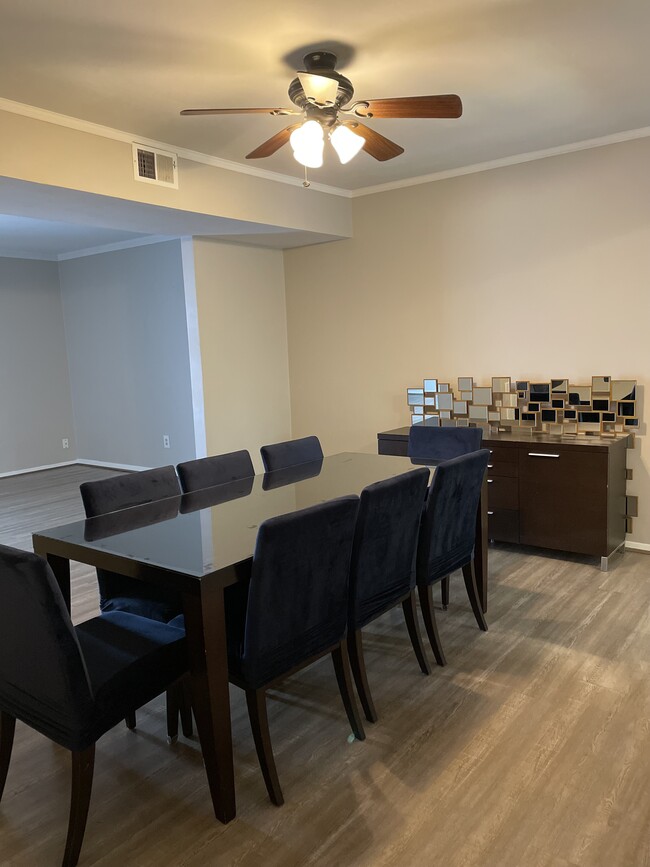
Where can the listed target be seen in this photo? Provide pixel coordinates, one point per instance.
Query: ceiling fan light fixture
(346, 143)
(307, 142)
(319, 89)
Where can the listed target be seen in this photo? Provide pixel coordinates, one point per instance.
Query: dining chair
(434, 444)
(278, 456)
(291, 475)
(382, 573)
(73, 684)
(292, 612)
(447, 536)
(215, 470)
(121, 593)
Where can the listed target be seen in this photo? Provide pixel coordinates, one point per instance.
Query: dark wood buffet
(563, 493)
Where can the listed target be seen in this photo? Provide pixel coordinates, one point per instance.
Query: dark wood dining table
(198, 544)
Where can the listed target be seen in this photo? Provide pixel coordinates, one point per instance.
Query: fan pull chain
(306, 183)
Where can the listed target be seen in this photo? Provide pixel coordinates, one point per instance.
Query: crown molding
(86, 126)
(531, 156)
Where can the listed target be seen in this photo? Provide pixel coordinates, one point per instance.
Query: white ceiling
(49, 239)
(533, 74)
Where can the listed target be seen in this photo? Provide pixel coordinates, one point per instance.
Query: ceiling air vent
(154, 167)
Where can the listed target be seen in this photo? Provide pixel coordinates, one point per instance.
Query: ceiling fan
(323, 100)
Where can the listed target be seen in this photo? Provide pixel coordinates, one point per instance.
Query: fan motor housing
(321, 63)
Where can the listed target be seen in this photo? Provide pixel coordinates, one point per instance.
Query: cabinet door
(563, 499)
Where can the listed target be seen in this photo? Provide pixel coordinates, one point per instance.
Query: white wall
(243, 335)
(537, 270)
(128, 354)
(34, 387)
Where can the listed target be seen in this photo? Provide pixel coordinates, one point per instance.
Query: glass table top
(202, 533)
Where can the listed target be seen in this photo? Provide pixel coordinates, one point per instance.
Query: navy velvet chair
(73, 684)
(281, 455)
(291, 475)
(121, 593)
(293, 611)
(447, 535)
(382, 574)
(434, 444)
(215, 470)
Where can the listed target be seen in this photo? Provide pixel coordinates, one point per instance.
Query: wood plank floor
(531, 749)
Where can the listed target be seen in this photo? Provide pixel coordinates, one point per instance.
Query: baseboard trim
(37, 469)
(637, 546)
(86, 462)
(109, 465)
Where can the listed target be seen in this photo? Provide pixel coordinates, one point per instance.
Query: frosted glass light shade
(307, 142)
(346, 143)
(319, 90)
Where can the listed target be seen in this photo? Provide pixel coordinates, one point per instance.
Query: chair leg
(426, 604)
(410, 615)
(173, 709)
(358, 665)
(7, 729)
(472, 591)
(83, 764)
(444, 587)
(341, 662)
(186, 707)
(256, 701)
(129, 719)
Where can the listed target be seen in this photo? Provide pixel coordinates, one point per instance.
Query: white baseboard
(79, 461)
(37, 469)
(637, 546)
(88, 462)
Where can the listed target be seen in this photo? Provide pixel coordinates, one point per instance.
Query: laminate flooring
(530, 749)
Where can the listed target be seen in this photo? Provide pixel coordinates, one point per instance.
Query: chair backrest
(442, 443)
(215, 470)
(298, 595)
(122, 492)
(129, 489)
(43, 678)
(449, 527)
(287, 454)
(385, 542)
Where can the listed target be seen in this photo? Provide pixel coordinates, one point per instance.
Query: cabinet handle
(490, 466)
(541, 455)
(490, 513)
(490, 481)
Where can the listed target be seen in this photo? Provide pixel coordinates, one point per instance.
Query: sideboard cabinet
(567, 494)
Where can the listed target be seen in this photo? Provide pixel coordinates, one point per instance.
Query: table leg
(61, 568)
(206, 636)
(481, 547)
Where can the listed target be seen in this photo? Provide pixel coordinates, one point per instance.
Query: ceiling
(533, 74)
(49, 239)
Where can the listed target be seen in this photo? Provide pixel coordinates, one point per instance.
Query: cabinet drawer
(392, 447)
(503, 525)
(503, 462)
(503, 492)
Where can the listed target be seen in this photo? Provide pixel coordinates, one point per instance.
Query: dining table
(198, 544)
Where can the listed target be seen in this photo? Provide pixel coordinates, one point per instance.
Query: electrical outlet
(166, 441)
(66, 443)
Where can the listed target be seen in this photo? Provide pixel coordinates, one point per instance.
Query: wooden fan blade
(273, 144)
(378, 146)
(273, 111)
(444, 105)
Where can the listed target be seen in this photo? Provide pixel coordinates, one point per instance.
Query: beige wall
(243, 337)
(535, 270)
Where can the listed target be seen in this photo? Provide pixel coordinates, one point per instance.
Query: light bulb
(307, 143)
(346, 143)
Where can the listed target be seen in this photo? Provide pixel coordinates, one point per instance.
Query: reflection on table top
(207, 531)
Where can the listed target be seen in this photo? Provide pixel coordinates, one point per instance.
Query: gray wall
(34, 387)
(128, 355)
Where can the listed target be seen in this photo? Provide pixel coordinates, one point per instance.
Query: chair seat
(122, 652)
(155, 609)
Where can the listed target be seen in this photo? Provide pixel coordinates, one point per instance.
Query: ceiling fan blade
(273, 144)
(444, 105)
(273, 111)
(378, 146)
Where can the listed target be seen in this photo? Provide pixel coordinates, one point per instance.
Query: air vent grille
(154, 166)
